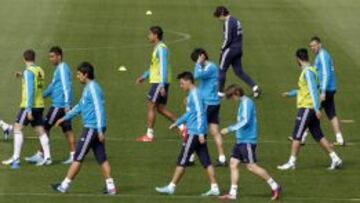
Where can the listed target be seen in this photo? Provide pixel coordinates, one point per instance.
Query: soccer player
(32, 107)
(159, 76)
(308, 113)
(231, 51)
(245, 146)
(92, 109)
(195, 119)
(325, 68)
(207, 73)
(60, 91)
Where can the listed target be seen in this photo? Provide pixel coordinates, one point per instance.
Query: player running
(231, 51)
(60, 91)
(159, 76)
(195, 119)
(309, 112)
(207, 73)
(245, 146)
(32, 107)
(92, 109)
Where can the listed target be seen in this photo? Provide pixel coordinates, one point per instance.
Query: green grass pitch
(112, 33)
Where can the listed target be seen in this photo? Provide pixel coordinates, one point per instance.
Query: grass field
(110, 33)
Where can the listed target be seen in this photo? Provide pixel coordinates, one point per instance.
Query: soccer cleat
(257, 93)
(57, 188)
(109, 192)
(11, 161)
(144, 138)
(276, 194)
(335, 164)
(44, 162)
(34, 158)
(7, 132)
(287, 166)
(221, 164)
(227, 197)
(211, 193)
(68, 161)
(165, 190)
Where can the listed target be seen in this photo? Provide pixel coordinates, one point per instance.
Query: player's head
(29, 55)
(221, 12)
(234, 92)
(186, 80)
(197, 53)
(155, 34)
(85, 72)
(302, 56)
(315, 44)
(55, 55)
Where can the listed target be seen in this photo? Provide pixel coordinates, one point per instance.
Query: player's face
(152, 37)
(315, 47)
(222, 18)
(184, 84)
(54, 58)
(82, 77)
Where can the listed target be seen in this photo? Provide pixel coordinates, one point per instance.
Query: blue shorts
(192, 145)
(89, 140)
(212, 113)
(246, 153)
(329, 104)
(154, 95)
(53, 115)
(37, 114)
(306, 119)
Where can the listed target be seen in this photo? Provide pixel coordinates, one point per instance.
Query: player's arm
(325, 72)
(76, 110)
(290, 94)
(311, 82)
(202, 72)
(29, 88)
(49, 89)
(99, 108)
(163, 58)
(243, 121)
(227, 34)
(66, 86)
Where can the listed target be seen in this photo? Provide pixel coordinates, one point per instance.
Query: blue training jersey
(326, 72)
(195, 116)
(246, 129)
(60, 89)
(91, 106)
(208, 83)
(233, 34)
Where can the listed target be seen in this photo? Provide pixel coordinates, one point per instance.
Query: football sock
(272, 184)
(150, 132)
(233, 190)
(44, 141)
(18, 142)
(110, 185)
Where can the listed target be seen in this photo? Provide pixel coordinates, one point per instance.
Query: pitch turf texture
(112, 33)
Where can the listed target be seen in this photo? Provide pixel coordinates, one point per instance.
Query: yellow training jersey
(160, 71)
(32, 87)
(308, 85)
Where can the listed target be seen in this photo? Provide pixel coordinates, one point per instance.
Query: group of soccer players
(205, 87)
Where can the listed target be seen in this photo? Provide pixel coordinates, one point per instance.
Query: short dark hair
(221, 11)
(234, 90)
(188, 76)
(88, 69)
(197, 52)
(316, 39)
(302, 54)
(56, 50)
(158, 31)
(29, 55)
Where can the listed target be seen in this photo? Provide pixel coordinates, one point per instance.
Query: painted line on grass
(347, 121)
(91, 195)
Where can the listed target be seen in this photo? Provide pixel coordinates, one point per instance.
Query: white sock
(150, 132)
(339, 137)
(292, 160)
(110, 185)
(222, 158)
(181, 127)
(44, 141)
(39, 153)
(18, 142)
(192, 158)
(172, 186)
(214, 186)
(72, 154)
(66, 183)
(255, 88)
(233, 190)
(334, 156)
(272, 184)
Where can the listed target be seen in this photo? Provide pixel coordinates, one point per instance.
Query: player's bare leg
(214, 131)
(336, 128)
(149, 136)
(163, 111)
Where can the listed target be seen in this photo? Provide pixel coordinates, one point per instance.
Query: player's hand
(163, 92)
(202, 139)
(18, 74)
(318, 115)
(201, 59)
(172, 126)
(139, 80)
(285, 94)
(30, 116)
(101, 137)
(58, 122)
(224, 131)
(322, 97)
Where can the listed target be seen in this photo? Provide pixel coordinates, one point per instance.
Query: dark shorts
(154, 94)
(246, 153)
(89, 140)
(53, 115)
(329, 104)
(212, 113)
(306, 119)
(37, 114)
(189, 147)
